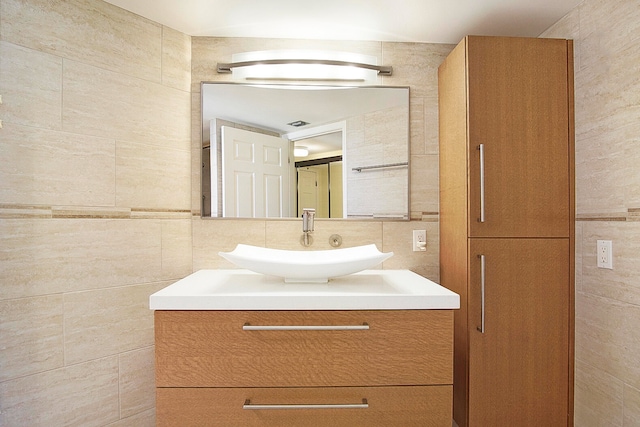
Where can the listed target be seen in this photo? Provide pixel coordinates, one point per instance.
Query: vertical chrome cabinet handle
(481, 148)
(482, 283)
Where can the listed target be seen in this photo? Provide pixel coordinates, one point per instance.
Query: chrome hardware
(481, 148)
(482, 283)
(226, 67)
(385, 166)
(363, 405)
(248, 327)
(308, 215)
(335, 240)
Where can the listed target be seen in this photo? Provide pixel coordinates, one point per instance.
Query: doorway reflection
(320, 186)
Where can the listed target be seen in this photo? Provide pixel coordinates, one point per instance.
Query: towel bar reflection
(388, 165)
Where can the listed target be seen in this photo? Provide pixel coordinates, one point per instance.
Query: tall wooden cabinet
(507, 227)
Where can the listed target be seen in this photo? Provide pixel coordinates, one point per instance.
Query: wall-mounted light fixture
(301, 65)
(300, 151)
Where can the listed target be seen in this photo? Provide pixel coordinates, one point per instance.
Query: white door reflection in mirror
(255, 175)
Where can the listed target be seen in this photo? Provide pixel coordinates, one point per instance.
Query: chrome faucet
(308, 215)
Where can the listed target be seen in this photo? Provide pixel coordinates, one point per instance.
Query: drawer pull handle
(248, 327)
(363, 405)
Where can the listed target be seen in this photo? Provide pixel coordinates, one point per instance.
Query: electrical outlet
(419, 240)
(604, 253)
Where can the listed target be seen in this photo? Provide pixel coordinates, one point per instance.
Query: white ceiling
(432, 21)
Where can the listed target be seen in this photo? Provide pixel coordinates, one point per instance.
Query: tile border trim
(18, 211)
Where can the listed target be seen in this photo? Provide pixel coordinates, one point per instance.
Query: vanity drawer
(422, 406)
(394, 347)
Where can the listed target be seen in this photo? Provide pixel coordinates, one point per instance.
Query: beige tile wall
(99, 175)
(90, 90)
(95, 200)
(414, 65)
(607, 87)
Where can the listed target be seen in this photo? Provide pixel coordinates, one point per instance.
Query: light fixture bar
(303, 79)
(225, 68)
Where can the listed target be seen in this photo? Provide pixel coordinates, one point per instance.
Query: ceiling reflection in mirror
(351, 151)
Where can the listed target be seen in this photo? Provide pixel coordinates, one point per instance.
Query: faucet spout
(308, 215)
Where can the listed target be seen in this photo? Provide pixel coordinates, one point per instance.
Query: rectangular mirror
(270, 150)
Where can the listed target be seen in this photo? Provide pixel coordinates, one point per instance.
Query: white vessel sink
(306, 266)
(246, 290)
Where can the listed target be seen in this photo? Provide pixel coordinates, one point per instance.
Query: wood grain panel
(453, 205)
(514, 96)
(210, 349)
(572, 231)
(518, 97)
(519, 367)
(427, 406)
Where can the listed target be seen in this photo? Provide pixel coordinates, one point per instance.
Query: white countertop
(246, 290)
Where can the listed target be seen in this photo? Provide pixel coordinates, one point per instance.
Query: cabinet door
(519, 114)
(519, 363)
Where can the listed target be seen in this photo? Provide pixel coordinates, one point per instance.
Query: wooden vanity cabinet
(507, 228)
(228, 368)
